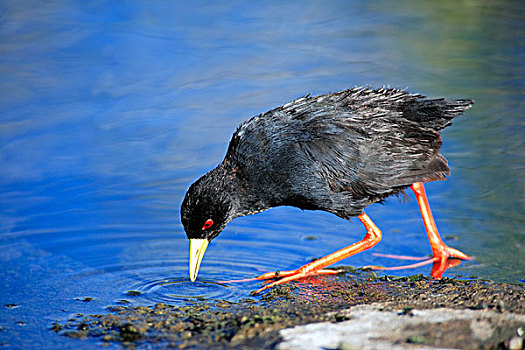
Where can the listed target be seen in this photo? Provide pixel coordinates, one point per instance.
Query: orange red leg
(440, 251)
(372, 237)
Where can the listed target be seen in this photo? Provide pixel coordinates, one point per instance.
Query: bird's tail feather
(435, 114)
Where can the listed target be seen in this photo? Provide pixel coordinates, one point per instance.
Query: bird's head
(205, 211)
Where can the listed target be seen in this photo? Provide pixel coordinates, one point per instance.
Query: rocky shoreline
(348, 311)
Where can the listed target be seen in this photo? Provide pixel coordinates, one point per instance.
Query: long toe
(454, 253)
(265, 276)
(296, 275)
(282, 281)
(442, 260)
(400, 257)
(403, 267)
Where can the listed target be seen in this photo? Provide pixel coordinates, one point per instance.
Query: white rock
(371, 328)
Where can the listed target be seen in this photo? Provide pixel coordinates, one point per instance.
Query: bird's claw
(443, 259)
(284, 276)
(288, 276)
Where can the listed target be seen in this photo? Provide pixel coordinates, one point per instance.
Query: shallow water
(109, 112)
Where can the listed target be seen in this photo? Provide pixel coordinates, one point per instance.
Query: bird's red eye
(207, 224)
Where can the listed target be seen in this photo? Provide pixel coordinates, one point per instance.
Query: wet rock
(133, 293)
(341, 317)
(84, 299)
(128, 332)
(55, 327)
(74, 334)
(83, 326)
(324, 302)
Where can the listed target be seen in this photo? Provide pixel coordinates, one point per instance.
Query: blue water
(110, 110)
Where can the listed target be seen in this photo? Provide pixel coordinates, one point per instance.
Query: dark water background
(110, 110)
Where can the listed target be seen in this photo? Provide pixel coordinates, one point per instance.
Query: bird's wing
(372, 156)
(315, 149)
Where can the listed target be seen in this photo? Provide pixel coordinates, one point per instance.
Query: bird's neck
(243, 196)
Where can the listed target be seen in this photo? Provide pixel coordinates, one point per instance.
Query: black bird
(338, 152)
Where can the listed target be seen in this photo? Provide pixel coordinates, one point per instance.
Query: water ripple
(178, 290)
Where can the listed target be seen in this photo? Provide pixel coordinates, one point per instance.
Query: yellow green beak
(197, 249)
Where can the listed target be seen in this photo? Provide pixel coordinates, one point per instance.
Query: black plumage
(337, 152)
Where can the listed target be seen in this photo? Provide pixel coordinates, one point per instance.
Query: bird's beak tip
(197, 250)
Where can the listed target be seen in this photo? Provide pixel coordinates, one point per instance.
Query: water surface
(108, 112)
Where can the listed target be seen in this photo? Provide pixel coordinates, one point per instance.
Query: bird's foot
(443, 258)
(288, 276)
(284, 277)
